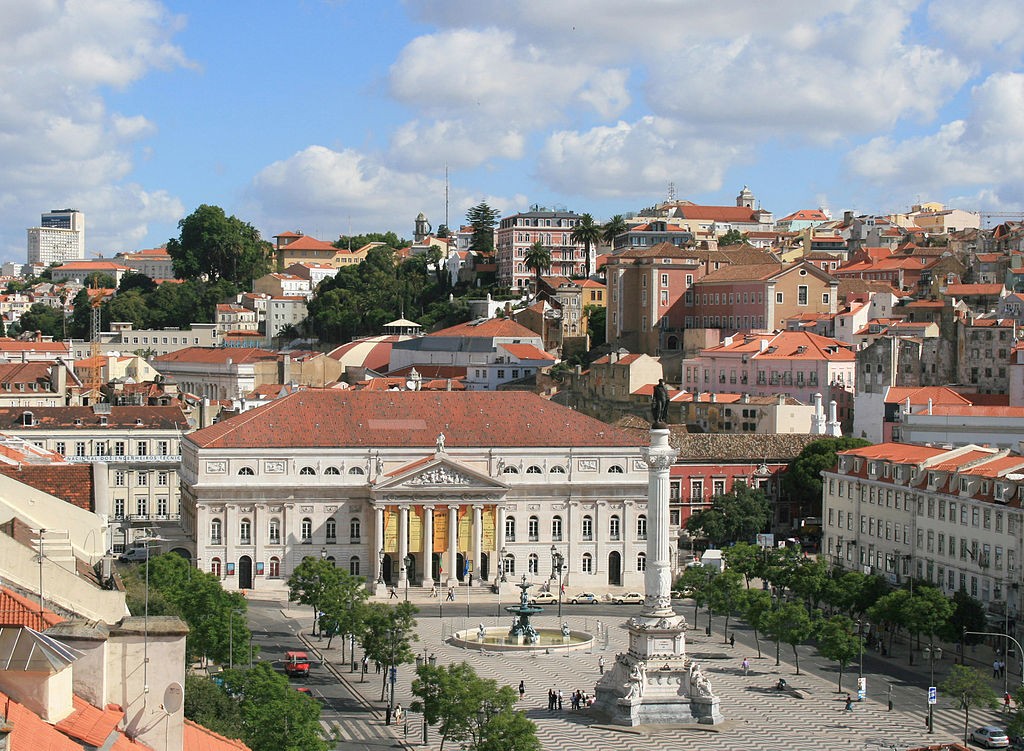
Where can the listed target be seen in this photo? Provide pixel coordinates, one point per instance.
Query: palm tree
(537, 258)
(588, 233)
(613, 228)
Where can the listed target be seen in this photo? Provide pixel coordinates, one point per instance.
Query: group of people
(579, 700)
(998, 668)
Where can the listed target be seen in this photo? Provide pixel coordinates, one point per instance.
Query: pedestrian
(732, 640)
(522, 689)
(1002, 669)
(995, 668)
(746, 666)
(1006, 702)
(376, 666)
(551, 699)
(366, 663)
(433, 590)
(471, 580)
(392, 594)
(559, 700)
(600, 664)
(849, 704)
(451, 595)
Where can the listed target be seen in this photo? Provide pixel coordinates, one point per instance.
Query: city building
(950, 517)
(235, 317)
(59, 237)
(453, 482)
(156, 263)
(283, 313)
(515, 234)
(283, 285)
(79, 271)
(606, 390)
(123, 337)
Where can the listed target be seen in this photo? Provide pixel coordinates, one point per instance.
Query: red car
(296, 663)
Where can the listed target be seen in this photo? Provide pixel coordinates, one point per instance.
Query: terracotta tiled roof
(45, 418)
(921, 395)
(813, 215)
(24, 373)
(717, 213)
(898, 452)
(753, 448)
(69, 482)
(89, 724)
(488, 329)
(527, 352)
(31, 732)
(317, 418)
(198, 738)
(219, 355)
(758, 272)
(16, 610)
(969, 410)
(623, 359)
(13, 345)
(661, 250)
(966, 290)
(305, 242)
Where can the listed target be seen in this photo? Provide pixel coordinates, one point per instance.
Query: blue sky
(326, 115)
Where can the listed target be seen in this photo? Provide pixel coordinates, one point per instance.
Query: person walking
(746, 666)
(849, 704)
(433, 590)
(732, 640)
(1006, 702)
(559, 700)
(451, 595)
(522, 689)
(392, 593)
(600, 664)
(995, 668)
(551, 699)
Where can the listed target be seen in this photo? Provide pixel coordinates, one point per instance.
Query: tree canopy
(214, 246)
(355, 242)
(482, 218)
(538, 258)
(732, 237)
(613, 228)
(275, 717)
(733, 517)
(587, 232)
(802, 481)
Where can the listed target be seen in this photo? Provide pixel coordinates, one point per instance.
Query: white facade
(283, 312)
(59, 237)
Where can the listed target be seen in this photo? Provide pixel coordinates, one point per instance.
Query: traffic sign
(862, 688)
(932, 695)
(394, 674)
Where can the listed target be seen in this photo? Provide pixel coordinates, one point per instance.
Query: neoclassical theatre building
(449, 482)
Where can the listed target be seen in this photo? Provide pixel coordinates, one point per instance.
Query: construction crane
(988, 216)
(92, 376)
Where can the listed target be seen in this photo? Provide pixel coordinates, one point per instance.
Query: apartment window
(533, 564)
(588, 527)
(587, 564)
(215, 566)
(119, 508)
(354, 531)
(718, 487)
(142, 479)
(161, 479)
(613, 527)
(801, 294)
(119, 447)
(641, 562)
(331, 528)
(641, 527)
(245, 532)
(510, 529)
(825, 298)
(215, 527)
(162, 448)
(533, 529)
(778, 298)
(556, 529)
(306, 530)
(142, 506)
(664, 280)
(274, 533)
(353, 565)
(696, 491)
(161, 507)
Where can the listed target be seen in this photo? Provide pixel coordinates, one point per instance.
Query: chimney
(763, 346)
(929, 406)
(833, 424)
(712, 397)
(781, 400)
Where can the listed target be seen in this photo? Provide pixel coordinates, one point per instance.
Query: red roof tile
(69, 482)
(16, 610)
(489, 328)
(219, 355)
(896, 452)
(198, 738)
(33, 734)
(527, 352)
(90, 724)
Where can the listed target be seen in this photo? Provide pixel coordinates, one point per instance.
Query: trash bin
(433, 661)
(419, 661)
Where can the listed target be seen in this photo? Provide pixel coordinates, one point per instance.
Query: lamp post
(931, 653)
(500, 579)
(407, 563)
(557, 564)
(392, 675)
(380, 566)
(860, 638)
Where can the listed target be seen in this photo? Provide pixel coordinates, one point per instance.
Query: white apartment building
(283, 312)
(951, 517)
(59, 237)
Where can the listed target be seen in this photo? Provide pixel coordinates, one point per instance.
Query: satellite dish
(172, 698)
(411, 385)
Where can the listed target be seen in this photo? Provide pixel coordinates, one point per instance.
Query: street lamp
(504, 554)
(380, 566)
(860, 638)
(407, 562)
(931, 653)
(557, 564)
(392, 675)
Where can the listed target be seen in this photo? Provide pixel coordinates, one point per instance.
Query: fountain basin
(497, 639)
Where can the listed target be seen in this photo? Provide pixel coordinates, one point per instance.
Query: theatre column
(478, 538)
(378, 545)
(403, 541)
(427, 566)
(499, 538)
(453, 546)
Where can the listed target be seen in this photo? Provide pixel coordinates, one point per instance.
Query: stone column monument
(654, 682)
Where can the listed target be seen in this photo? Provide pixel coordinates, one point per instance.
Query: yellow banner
(416, 529)
(390, 531)
(489, 539)
(465, 529)
(440, 530)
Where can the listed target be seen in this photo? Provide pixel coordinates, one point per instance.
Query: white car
(542, 598)
(584, 598)
(630, 598)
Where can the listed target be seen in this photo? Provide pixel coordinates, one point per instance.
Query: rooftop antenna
(671, 192)
(447, 226)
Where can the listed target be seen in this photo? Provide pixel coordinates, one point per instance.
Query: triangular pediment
(437, 473)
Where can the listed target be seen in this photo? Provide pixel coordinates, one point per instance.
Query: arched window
(534, 529)
(587, 564)
(353, 565)
(245, 532)
(510, 470)
(533, 469)
(332, 530)
(510, 564)
(275, 532)
(215, 566)
(588, 527)
(275, 567)
(332, 471)
(331, 559)
(641, 527)
(641, 561)
(307, 530)
(556, 529)
(247, 471)
(307, 471)
(354, 530)
(613, 527)
(356, 471)
(215, 527)
(558, 469)
(510, 529)
(533, 564)
(615, 469)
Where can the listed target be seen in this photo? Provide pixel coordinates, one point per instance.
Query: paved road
(758, 716)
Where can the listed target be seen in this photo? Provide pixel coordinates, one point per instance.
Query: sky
(332, 117)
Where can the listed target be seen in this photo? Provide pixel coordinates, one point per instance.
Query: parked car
(990, 736)
(629, 598)
(543, 598)
(134, 555)
(679, 594)
(584, 598)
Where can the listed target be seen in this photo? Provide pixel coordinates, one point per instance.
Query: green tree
(892, 610)
(744, 558)
(971, 689)
(927, 611)
(842, 591)
(538, 258)
(482, 218)
(343, 607)
(99, 280)
(695, 578)
(128, 306)
(838, 641)
(310, 583)
(387, 636)
(732, 237)
(756, 607)
(802, 481)
(735, 516)
(789, 622)
(597, 324)
(968, 615)
(355, 242)
(42, 318)
(215, 246)
(212, 707)
(724, 591)
(613, 228)
(136, 281)
(811, 580)
(275, 717)
(587, 232)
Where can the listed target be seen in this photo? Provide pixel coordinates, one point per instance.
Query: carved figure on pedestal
(637, 680)
(565, 629)
(659, 403)
(700, 686)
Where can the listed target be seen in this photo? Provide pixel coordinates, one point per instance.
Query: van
(296, 663)
(135, 555)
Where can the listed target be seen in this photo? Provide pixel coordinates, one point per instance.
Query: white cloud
(429, 145)
(634, 159)
(982, 148)
(59, 144)
(990, 29)
(321, 190)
